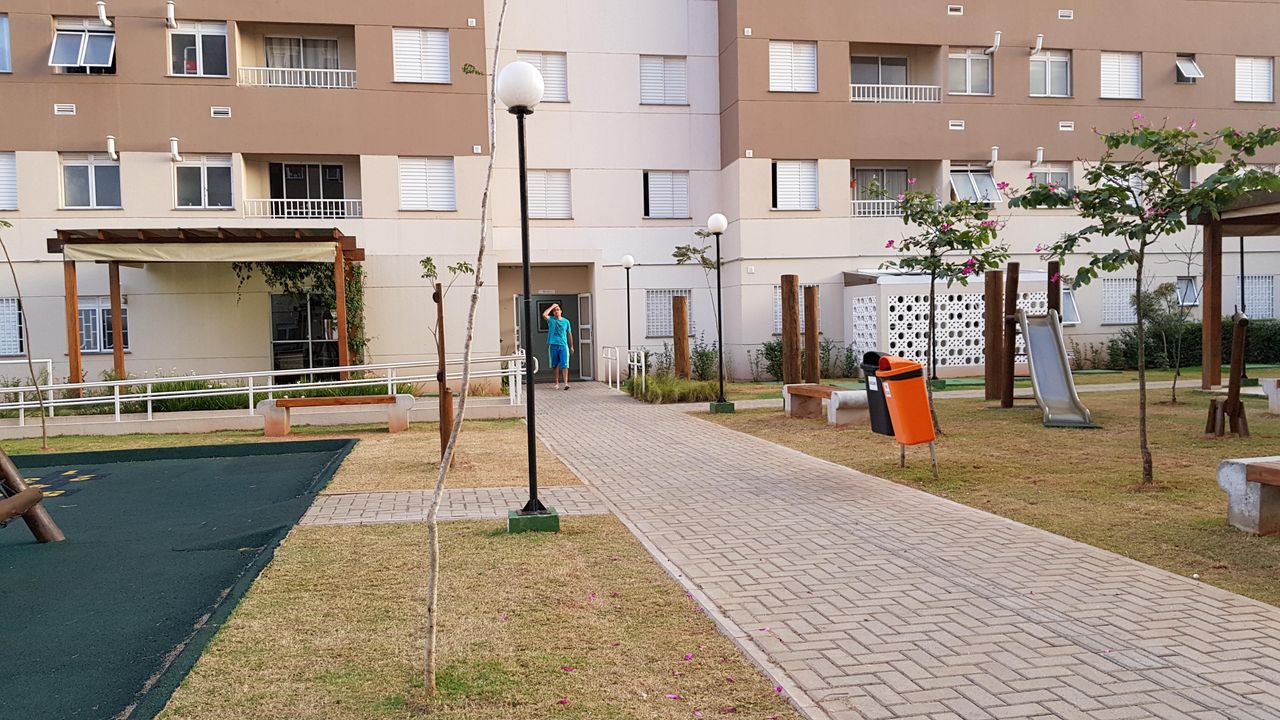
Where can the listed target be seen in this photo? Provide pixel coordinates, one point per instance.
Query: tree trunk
(433, 528)
(1177, 365)
(930, 353)
(1148, 476)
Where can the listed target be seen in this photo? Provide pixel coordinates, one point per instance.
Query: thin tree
(433, 529)
(26, 342)
(1135, 197)
(1188, 256)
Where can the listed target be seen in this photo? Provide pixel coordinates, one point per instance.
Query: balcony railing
(876, 208)
(270, 208)
(297, 77)
(895, 93)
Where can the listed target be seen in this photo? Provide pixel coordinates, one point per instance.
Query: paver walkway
(874, 600)
(369, 508)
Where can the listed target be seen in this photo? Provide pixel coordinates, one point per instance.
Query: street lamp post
(519, 86)
(717, 224)
(628, 262)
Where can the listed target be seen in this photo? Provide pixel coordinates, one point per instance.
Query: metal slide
(1051, 372)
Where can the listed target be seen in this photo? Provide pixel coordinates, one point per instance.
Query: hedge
(1262, 346)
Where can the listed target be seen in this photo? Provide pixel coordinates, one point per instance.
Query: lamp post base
(721, 408)
(518, 522)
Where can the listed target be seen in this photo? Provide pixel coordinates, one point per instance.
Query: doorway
(578, 311)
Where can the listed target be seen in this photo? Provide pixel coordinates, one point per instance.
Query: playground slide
(1051, 372)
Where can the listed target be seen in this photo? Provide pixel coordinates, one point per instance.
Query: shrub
(703, 360)
(1262, 346)
(664, 389)
(771, 350)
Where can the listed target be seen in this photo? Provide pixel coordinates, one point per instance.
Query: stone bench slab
(1253, 507)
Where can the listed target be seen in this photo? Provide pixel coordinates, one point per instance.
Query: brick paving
(370, 508)
(867, 599)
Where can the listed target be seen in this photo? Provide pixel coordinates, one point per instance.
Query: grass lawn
(333, 630)
(1077, 483)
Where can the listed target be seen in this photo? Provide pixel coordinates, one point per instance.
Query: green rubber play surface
(161, 545)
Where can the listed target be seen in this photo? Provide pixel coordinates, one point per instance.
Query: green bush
(833, 360)
(1262, 346)
(665, 389)
(703, 360)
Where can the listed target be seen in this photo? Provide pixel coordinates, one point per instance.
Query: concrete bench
(276, 419)
(1253, 493)
(844, 406)
(1271, 387)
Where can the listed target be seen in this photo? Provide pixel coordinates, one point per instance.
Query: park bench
(1253, 493)
(844, 406)
(1271, 388)
(275, 413)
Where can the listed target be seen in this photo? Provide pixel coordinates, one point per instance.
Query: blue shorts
(559, 356)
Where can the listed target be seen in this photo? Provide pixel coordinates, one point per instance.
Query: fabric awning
(207, 252)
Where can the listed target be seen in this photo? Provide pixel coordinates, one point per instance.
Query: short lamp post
(628, 262)
(716, 225)
(519, 86)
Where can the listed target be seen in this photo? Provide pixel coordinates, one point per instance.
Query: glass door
(586, 338)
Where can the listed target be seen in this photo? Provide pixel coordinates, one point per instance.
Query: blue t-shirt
(558, 330)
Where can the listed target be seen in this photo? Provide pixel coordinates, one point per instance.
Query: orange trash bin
(908, 400)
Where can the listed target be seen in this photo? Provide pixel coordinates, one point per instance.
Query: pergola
(1253, 215)
(135, 248)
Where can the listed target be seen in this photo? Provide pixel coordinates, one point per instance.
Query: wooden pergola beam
(340, 300)
(1211, 306)
(117, 322)
(74, 372)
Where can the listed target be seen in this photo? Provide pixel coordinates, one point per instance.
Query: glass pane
(283, 52)
(189, 191)
(109, 339)
(865, 71)
(895, 182)
(980, 68)
(1039, 78)
(288, 318)
(295, 182)
(320, 53)
(5, 61)
(99, 49)
(324, 354)
(66, 48)
(75, 185)
(331, 185)
(106, 185)
(324, 322)
(893, 71)
(183, 54)
(89, 338)
(1059, 78)
(219, 183)
(956, 81)
(987, 190)
(215, 54)
(289, 356)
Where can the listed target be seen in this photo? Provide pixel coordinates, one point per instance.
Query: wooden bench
(1253, 494)
(276, 418)
(844, 406)
(1271, 388)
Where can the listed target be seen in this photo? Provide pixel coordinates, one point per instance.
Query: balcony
(300, 187)
(297, 77)
(876, 93)
(876, 208)
(280, 208)
(296, 55)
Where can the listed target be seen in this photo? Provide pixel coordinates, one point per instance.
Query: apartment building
(309, 117)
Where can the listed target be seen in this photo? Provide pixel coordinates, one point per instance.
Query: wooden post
(1055, 288)
(117, 320)
(75, 373)
(790, 329)
(1211, 304)
(442, 376)
(446, 421)
(680, 334)
(1234, 406)
(1010, 336)
(993, 334)
(812, 356)
(340, 300)
(38, 520)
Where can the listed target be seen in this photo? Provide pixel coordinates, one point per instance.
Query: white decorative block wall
(865, 314)
(959, 326)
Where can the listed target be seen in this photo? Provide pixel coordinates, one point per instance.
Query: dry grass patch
(333, 629)
(1077, 483)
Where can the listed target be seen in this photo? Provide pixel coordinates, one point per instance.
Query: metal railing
(273, 208)
(298, 77)
(258, 385)
(895, 93)
(613, 367)
(876, 208)
(638, 366)
(48, 375)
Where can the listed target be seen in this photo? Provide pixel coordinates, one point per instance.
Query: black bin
(876, 406)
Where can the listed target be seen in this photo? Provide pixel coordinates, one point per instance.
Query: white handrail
(877, 208)
(298, 77)
(298, 208)
(895, 93)
(612, 367)
(638, 364)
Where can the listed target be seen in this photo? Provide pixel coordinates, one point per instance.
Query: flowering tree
(1134, 197)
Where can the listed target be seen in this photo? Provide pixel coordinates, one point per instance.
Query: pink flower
(1002, 185)
(1137, 116)
(562, 701)
(988, 223)
(615, 594)
(1056, 277)
(676, 673)
(945, 227)
(688, 657)
(673, 696)
(777, 688)
(1192, 126)
(888, 244)
(503, 617)
(728, 680)
(568, 668)
(697, 713)
(901, 197)
(1039, 248)
(1031, 176)
(911, 181)
(616, 644)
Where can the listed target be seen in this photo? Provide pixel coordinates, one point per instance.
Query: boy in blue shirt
(560, 342)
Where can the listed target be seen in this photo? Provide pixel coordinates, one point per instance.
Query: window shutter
(427, 184)
(793, 66)
(413, 184)
(550, 195)
(668, 194)
(1254, 76)
(1121, 75)
(652, 80)
(797, 184)
(555, 73)
(676, 85)
(421, 55)
(780, 66)
(10, 327)
(537, 192)
(8, 181)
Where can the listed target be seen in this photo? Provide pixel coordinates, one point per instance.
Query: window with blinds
(1117, 301)
(666, 194)
(1257, 296)
(421, 55)
(664, 80)
(777, 307)
(795, 184)
(658, 314)
(1254, 79)
(555, 73)
(8, 181)
(427, 183)
(11, 330)
(793, 66)
(1122, 75)
(550, 195)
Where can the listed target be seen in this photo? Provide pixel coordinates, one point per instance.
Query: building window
(1117, 301)
(550, 195)
(658, 314)
(878, 71)
(95, 324)
(12, 333)
(1254, 79)
(1070, 311)
(875, 191)
(1186, 176)
(83, 45)
(793, 66)
(777, 307)
(203, 181)
(304, 334)
(969, 73)
(555, 73)
(427, 184)
(421, 55)
(1122, 75)
(1188, 291)
(1187, 70)
(305, 53)
(975, 185)
(795, 184)
(1058, 175)
(666, 194)
(90, 181)
(6, 59)
(8, 181)
(1051, 74)
(664, 80)
(1258, 298)
(199, 48)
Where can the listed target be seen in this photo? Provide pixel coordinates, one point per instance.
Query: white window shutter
(1254, 79)
(809, 184)
(555, 73)
(793, 66)
(559, 195)
(421, 55)
(661, 202)
(537, 191)
(652, 80)
(781, 60)
(10, 327)
(413, 184)
(427, 184)
(435, 59)
(1121, 75)
(8, 181)
(797, 184)
(680, 195)
(676, 81)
